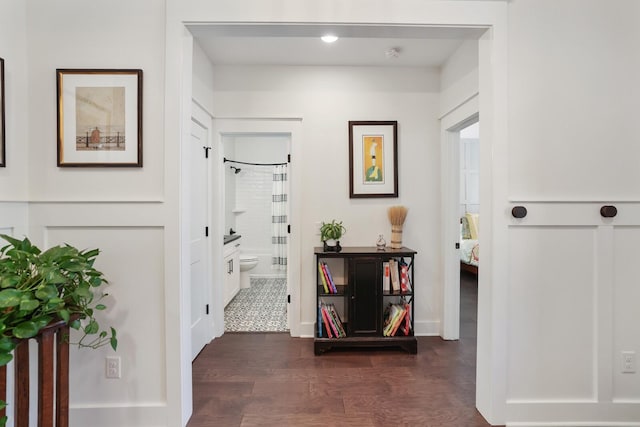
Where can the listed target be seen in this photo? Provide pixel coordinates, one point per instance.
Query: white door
(200, 326)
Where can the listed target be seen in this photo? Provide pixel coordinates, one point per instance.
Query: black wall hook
(519, 211)
(608, 211)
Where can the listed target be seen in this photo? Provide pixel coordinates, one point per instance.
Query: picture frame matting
(373, 159)
(99, 117)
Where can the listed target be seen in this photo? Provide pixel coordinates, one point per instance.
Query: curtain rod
(254, 164)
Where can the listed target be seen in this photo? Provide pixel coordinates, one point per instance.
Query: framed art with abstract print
(99, 118)
(373, 159)
(3, 153)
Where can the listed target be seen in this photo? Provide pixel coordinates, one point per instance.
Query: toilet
(247, 262)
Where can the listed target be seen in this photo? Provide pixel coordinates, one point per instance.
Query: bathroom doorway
(256, 220)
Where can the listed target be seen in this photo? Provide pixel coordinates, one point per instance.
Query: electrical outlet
(112, 367)
(629, 362)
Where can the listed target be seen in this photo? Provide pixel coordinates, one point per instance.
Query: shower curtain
(279, 218)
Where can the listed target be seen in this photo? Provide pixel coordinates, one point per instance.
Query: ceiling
(358, 45)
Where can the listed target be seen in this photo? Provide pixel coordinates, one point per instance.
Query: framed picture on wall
(99, 118)
(3, 155)
(373, 159)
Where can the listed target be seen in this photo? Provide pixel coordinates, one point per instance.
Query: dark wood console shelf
(362, 302)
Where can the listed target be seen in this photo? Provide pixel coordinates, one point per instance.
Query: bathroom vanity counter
(228, 238)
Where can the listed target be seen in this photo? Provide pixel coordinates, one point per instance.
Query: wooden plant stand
(53, 344)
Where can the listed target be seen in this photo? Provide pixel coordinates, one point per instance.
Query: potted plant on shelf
(40, 288)
(330, 234)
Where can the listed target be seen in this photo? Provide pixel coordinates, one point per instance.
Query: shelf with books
(330, 323)
(369, 294)
(341, 289)
(397, 319)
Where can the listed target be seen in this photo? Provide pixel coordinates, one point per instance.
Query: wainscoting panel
(551, 270)
(572, 309)
(13, 219)
(626, 300)
(131, 238)
(132, 260)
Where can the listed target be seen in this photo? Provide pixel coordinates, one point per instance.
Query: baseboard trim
(306, 330)
(153, 415)
(574, 424)
(426, 328)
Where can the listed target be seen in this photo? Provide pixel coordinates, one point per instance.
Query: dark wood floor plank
(294, 405)
(332, 387)
(216, 421)
(307, 421)
(233, 374)
(246, 380)
(269, 387)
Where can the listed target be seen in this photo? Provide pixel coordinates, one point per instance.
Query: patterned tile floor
(261, 308)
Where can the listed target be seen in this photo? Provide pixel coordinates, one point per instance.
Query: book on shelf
(386, 277)
(395, 275)
(395, 319)
(319, 319)
(391, 315)
(331, 283)
(326, 279)
(323, 278)
(387, 318)
(338, 321)
(399, 321)
(405, 284)
(326, 321)
(406, 326)
(331, 319)
(389, 312)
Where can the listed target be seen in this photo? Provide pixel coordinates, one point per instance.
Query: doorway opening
(459, 171)
(494, 69)
(256, 218)
(469, 143)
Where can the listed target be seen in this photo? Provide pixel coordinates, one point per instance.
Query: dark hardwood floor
(275, 380)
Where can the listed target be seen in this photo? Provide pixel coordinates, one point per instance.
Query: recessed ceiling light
(329, 38)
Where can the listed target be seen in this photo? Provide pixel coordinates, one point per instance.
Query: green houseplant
(330, 234)
(37, 288)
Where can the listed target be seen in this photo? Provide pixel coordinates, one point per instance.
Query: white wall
(13, 177)
(574, 96)
(202, 78)
(119, 210)
(573, 102)
(13, 49)
(327, 98)
(102, 35)
(459, 77)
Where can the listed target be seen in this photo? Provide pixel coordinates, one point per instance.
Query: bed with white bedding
(469, 246)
